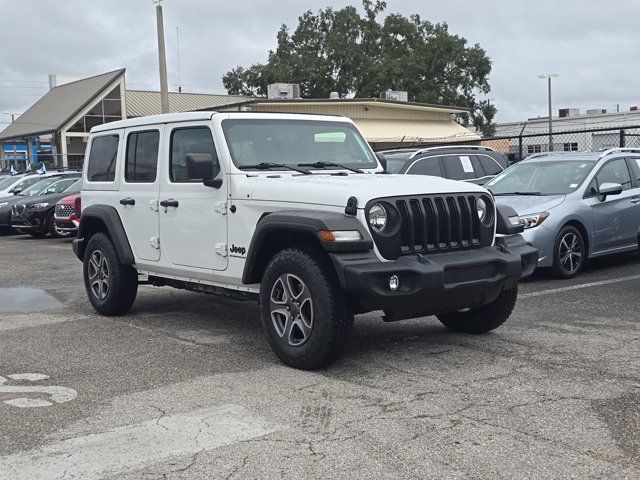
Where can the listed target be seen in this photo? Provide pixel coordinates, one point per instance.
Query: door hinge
(221, 208)
(153, 205)
(221, 249)
(155, 242)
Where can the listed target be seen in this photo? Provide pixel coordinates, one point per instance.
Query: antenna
(179, 73)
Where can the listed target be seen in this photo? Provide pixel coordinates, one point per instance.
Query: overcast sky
(591, 44)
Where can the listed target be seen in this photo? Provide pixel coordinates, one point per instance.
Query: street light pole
(549, 76)
(162, 59)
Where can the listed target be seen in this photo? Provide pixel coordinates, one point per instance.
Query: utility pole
(549, 76)
(179, 70)
(162, 59)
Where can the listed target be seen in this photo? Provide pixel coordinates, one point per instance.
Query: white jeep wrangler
(297, 212)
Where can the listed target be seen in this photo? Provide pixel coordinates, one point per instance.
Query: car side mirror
(609, 189)
(382, 159)
(201, 166)
(16, 191)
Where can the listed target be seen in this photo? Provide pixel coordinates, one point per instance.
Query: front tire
(53, 229)
(569, 253)
(304, 312)
(111, 287)
(485, 318)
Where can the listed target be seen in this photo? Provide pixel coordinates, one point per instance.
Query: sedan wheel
(570, 252)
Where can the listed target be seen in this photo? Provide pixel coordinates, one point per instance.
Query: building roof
(360, 101)
(141, 103)
(59, 105)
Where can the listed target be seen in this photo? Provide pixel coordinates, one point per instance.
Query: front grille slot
(438, 223)
(64, 211)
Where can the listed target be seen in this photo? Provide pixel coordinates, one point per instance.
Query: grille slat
(63, 211)
(438, 223)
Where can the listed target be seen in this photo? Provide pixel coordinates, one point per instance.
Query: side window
(141, 163)
(489, 165)
(185, 141)
(426, 166)
(459, 167)
(615, 171)
(102, 159)
(635, 166)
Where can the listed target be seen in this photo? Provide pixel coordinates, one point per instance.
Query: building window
(570, 147)
(534, 149)
(108, 109)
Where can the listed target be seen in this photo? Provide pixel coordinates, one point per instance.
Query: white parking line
(578, 287)
(132, 447)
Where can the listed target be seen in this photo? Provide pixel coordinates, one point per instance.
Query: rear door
(460, 167)
(426, 166)
(139, 189)
(615, 218)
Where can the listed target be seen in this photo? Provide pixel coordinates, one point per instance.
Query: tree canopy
(356, 55)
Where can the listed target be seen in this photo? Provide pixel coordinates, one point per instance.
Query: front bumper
(67, 224)
(433, 284)
(29, 220)
(543, 239)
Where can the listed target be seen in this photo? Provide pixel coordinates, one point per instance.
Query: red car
(67, 215)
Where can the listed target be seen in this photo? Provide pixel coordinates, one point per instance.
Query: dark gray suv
(469, 163)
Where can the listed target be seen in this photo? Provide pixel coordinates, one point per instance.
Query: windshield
(541, 178)
(291, 142)
(7, 182)
(37, 187)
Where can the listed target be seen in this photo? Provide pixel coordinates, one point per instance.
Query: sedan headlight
(529, 221)
(38, 206)
(378, 217)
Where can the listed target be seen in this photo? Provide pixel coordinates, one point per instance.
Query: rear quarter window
(490, 166)
(459, 167)
(102, 158)
(426, 166)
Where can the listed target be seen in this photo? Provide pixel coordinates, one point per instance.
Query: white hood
(335, 190)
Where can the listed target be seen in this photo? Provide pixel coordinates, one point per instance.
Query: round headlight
(378, 217)
(482, 209)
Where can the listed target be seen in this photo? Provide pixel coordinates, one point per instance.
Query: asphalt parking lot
(186, 386)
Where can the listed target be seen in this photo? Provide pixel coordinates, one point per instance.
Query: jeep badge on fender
(324, 235)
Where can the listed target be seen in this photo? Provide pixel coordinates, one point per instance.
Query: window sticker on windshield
(466, 164)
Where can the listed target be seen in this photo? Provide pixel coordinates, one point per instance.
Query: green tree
(355, 55)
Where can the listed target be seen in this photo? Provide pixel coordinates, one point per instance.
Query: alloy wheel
(99, 275)
(291, 309)
(570, 252)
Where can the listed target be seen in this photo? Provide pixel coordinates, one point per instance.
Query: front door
(138, 202)
(193, 222)
(613, 218)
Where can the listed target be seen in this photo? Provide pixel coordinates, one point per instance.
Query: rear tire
(304, 312)
(569, 253)
(485, 318)
(111, 287)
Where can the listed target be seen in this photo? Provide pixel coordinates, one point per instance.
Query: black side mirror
(382, 159)
(201, 166)
(16, 191)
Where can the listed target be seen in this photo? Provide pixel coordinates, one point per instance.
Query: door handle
(127, 201)
(169, 203)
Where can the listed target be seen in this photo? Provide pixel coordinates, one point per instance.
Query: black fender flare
(109, 217)
(305, 222)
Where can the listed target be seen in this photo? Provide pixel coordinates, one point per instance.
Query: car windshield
(7, 182)
(541, 178)
(37, 187)
(292, 142)
(75, 187)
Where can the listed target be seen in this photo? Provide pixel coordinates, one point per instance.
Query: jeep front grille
(435, 224)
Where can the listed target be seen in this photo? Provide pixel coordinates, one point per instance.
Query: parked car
(17, 183)
(573, 205)
(468, 163)
(42, 187)
(67, 214)
(289, 210)
(34, 215)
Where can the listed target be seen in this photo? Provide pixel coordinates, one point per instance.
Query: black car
(20, 211)
(468, 163)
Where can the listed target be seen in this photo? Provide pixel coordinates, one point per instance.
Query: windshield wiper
(329, 164)
(269, 165)
(517, 193)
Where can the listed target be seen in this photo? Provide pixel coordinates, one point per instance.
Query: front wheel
(55, 232)
(304, 312)
(111, 287)
(485, 318)
(569, 253)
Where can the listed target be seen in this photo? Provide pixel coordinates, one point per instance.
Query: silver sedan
(574, 205)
